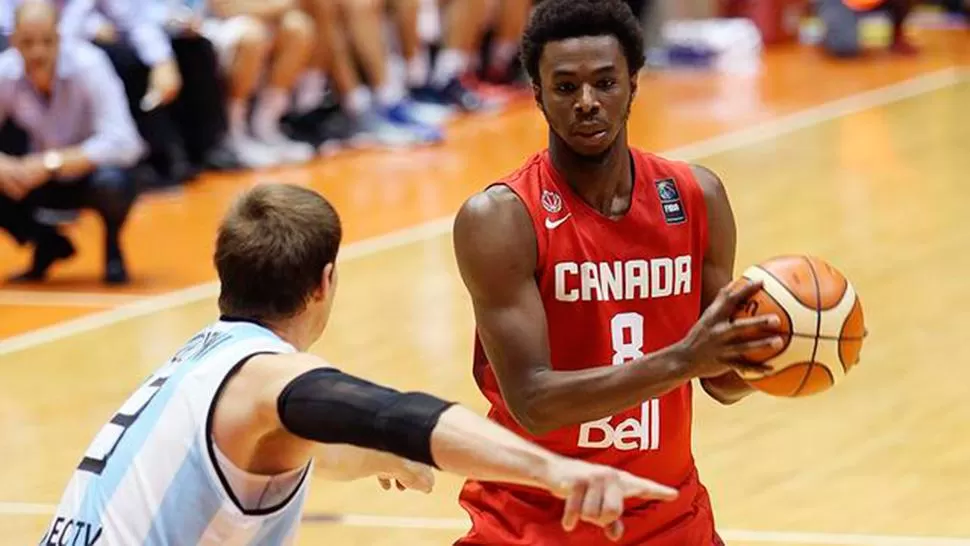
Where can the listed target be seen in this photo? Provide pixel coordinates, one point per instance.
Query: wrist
(677, 362)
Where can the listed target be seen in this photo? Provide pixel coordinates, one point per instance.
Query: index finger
(648, 490)
(574, 506)
(740, 294)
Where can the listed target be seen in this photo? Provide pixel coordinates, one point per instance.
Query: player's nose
(587, 102)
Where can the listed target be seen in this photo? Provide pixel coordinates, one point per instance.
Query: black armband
(328, 406)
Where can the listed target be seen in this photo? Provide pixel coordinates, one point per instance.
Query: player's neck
(291, 331)
(604, 183)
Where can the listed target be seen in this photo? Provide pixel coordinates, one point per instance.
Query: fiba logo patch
(670, 203)
(551, 201)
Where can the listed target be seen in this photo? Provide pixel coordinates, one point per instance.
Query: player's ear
(329, 277)
(634, 84)
(537, 92)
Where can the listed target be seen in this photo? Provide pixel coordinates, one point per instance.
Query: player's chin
(590, 147)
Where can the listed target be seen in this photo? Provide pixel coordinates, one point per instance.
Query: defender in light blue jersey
(216, 446)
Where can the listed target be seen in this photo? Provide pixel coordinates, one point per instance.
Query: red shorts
(510, 516)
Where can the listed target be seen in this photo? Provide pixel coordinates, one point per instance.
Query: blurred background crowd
(102, 100)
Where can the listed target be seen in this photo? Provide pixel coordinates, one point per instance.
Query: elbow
(532, 415)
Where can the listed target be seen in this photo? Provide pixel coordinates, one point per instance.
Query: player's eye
(565, 87)
(606, 84)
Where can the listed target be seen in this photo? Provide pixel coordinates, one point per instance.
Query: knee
(297, 25)
(254, 37)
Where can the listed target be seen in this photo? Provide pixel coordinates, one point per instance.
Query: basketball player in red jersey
(599, 279)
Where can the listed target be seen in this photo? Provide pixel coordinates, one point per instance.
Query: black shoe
(453, 94)
(115, 272)
(221, 158)
(48, 250)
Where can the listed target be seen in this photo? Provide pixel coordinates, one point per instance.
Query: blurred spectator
(184, 132)
(199, 111)
(144, 60)
(463, 25)
(373, 106)
(252, 36)
(502, 67)
(81, 140)
(387, 108)
(842, 23)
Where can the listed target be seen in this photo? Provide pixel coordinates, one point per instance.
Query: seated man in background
(268, 43)
(841, 22)
(185, 131)
(82, 140)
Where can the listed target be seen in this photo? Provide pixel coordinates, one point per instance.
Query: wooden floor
(861, 163)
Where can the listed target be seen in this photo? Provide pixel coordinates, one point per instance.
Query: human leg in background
(200, 109)
(365, 21)
(244, 45)
(292, 48)
(463, 23)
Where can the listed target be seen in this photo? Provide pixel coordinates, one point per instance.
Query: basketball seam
(818, 325)
(831, 338)
(791, 323)
(787, 289)
(845, 368)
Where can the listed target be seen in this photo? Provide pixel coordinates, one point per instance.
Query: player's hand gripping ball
(822, 325)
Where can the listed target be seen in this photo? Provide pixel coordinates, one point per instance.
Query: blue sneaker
(404, 114)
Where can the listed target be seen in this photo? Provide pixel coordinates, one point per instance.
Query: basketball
(822, 325)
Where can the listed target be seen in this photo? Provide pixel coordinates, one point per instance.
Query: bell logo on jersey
(631, 434)
(623, 281)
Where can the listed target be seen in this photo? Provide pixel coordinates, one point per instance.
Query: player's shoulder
(710, 185)
(504, 200)
(706, 180)
(496, 208)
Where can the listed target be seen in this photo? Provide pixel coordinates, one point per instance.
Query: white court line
(777, 537)
(28, 298)
(705, 148)
(458, 524)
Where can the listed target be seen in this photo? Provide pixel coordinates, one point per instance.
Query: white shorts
(225, 35)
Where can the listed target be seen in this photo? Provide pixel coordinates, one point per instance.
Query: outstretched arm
(299, 398)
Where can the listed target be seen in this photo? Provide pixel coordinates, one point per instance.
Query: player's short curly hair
(555, 20)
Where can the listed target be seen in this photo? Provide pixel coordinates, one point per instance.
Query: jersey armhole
(698, 207)
(213, 461)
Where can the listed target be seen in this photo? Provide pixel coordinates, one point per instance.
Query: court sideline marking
(733, 140)
(49, 298)
(459, 524)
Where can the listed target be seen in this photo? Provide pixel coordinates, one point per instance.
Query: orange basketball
(821, 322)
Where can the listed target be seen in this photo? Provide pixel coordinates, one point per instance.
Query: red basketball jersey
(614, 290)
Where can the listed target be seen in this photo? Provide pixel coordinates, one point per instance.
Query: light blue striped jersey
(150, 478)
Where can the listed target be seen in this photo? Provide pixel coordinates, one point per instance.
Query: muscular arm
(355, 412)
(718, 272)
(496, 250)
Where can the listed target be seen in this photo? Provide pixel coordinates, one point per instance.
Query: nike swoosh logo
(553, 224)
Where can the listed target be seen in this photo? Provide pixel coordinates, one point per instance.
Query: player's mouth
(591, 136)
